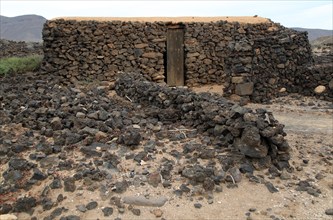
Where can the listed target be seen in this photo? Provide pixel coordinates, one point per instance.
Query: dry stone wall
(316, 80)
(10, 48)
(224, 50)
(250, 60)
(254, 134)
(88, 50)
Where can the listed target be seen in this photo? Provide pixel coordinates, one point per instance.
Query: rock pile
(255, 134)
(62, 139)
(10, 48)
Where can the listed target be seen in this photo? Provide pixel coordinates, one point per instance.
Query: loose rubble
(72, 152)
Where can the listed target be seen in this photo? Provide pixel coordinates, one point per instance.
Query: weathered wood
(175, 57)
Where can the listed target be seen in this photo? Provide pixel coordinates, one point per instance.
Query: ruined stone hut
(250, 56)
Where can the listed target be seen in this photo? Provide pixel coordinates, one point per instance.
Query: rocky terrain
(322, 49)
(10, 48)
(100, 150)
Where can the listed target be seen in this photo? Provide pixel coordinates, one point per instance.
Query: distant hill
(315, 33)
(326, 40)
(22, 28)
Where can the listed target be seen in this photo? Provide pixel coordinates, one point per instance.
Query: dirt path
(306, 123)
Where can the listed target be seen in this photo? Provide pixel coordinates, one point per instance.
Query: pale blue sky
(297, 13)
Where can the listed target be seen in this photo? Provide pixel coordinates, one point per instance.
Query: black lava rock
(5, 208)
(69, 184)
(130, 138)
(70, 217)
(38, 175)
(107, 211)
(329, 211)
(25, 204)
(20, 164)
(56, 184)
(47, 203)
(92, 205)
(197, 205)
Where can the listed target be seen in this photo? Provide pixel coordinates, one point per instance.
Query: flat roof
(240, 19)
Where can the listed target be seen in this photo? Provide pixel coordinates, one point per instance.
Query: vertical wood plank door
(175, 57)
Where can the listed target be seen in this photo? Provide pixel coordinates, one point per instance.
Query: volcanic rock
(250, 143)
(130, 138)
(197, 205)
(38, 175)
(107, 211)
(69, 184)
(25, 204)
(56, 123)
(5, 208)
(329, 211)
(154, 179)
(91, 205)
(20, 164)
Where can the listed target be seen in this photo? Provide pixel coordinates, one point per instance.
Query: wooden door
(175, 56)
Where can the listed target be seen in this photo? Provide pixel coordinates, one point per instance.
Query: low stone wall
(252, 60)
(255, 134)
(316, 80)
(10, 48)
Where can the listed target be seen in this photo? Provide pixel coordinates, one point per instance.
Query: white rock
(319, 89)
(283, 90)
(8, 217)
(143, 201)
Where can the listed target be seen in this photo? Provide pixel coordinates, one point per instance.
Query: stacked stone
(10, 48)
(255, 134)
(316, 81)
(276, 61)
(320, 74)
(88, 50)
(251, 60)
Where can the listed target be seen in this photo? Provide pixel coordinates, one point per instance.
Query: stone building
(250, 56)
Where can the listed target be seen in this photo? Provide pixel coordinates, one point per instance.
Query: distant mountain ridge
(22, 28)
(315, 33)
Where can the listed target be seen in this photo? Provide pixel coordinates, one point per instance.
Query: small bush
(20, 64)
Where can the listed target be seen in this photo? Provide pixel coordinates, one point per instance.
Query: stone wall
(308, 81)
(251, 60)
(275, 60)
(255, 134)
(88, 50)
(10, 48)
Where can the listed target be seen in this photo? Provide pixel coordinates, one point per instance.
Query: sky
(292, 13)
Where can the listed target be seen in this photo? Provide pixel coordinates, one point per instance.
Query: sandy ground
(243, 19)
